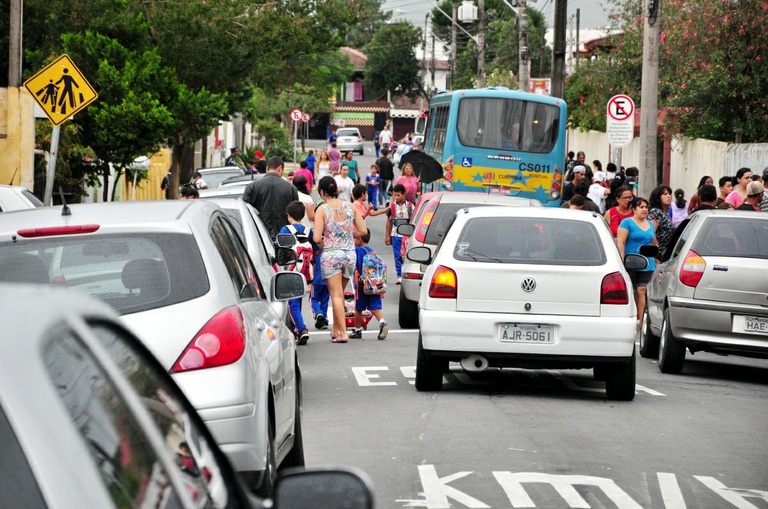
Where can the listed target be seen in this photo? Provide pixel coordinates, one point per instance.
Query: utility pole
(432, 66)
(453, 42)
(558, 56)
(523, 72)
(578, 38)
(14, 51)
(649, 101)
(481, 45)
(424, 53)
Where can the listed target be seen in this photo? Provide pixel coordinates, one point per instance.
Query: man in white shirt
(385, 137)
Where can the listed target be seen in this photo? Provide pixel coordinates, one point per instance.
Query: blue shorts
(369, 302)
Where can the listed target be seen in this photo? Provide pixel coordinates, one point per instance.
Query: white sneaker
(383, 329)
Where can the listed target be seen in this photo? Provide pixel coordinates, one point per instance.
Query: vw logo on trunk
(528, 284)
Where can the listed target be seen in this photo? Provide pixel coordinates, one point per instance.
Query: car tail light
(412, 275)
(426, 220)
(614, 289)
(221, 341)
(693, 269)
(443, 285)
(58, 230)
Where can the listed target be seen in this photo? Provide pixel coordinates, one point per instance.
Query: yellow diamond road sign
(61, 90)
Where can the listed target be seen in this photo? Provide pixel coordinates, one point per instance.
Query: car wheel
(649, 342)
(671, 351)
(429, 370)
(407, 312)
(620, 382)
(295, 458)
(270, 472)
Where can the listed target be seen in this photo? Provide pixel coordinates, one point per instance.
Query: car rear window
(130, 272)
(529, 241)
(347, 132)
(740, 237)
(443, 215)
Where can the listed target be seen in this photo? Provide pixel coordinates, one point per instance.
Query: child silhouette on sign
(51, 91)
(67, 91)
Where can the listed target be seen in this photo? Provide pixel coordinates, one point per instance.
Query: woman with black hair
(659, 203)
(335, 222)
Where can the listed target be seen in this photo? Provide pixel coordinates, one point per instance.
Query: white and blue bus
(499, 141)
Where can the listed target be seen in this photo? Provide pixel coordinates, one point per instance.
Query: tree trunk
(105, 189)
(117, 180)
(182, 164)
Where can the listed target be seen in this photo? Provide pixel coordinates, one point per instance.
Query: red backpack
(304, 255)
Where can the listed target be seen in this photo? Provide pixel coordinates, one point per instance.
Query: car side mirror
(287, 285)
(406, 230)
(420, 254)
(286, 240)
(649, 251)
(330, 488)
(397, 222)
(635, 261)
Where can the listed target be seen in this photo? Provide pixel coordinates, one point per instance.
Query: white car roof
(469, 197)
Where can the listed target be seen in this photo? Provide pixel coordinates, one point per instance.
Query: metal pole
(51, 170)
(14, 46)
(523, 75)
(578, 40)
(558, 55)
(295, 136)
(453, 43)
(481, 45)
(650, 103)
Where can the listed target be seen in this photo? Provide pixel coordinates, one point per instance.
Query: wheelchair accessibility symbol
(466, 162)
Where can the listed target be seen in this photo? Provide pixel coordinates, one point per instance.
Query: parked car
(349, 138)
(214, 176)
(231, 187)
(17, 198)
(89, 418)
(430, 219)
(180, 276)
(499, 293)
(709, 293)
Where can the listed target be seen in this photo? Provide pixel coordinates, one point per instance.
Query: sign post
(620, 125)
(61, 90)
(296, 115)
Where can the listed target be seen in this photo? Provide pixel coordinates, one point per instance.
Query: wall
(17, 147)
(689, 159)
(149, 188)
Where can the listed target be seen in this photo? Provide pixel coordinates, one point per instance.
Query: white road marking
(409, 372)
(733, 495)
(437, 492)
(512, 484)
(642, 388)
(364, 378)
(670, 491)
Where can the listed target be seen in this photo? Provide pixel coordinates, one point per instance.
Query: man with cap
(261, 163)
(579, 173)
(754, 197)
(598, 191)
(231, 160)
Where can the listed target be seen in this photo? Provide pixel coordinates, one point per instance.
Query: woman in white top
(322, 166)
(300, 183)
(344, 183)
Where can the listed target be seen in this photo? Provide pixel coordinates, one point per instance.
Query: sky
(592, 15)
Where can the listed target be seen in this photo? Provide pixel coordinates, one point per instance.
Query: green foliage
(370, 18)
(392, 64)
(713, 78)
(74, 161)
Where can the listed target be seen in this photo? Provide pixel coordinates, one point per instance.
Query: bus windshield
(507, 124)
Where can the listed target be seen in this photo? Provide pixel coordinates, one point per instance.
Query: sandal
(339, 340)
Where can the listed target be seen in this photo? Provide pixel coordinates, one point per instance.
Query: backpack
(408, 208)
(304, 255)
(374, 275)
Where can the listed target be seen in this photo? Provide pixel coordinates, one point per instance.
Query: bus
(498, 141)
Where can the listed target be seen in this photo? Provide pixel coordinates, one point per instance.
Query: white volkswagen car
(180, 276)
(529, 288)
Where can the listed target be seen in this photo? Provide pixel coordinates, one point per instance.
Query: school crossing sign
(61, 90)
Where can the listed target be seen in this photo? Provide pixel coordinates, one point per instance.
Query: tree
(392, 64)
(713, 78)
(370, 17)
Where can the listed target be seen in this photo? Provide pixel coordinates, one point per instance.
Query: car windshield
(130, 272)
(731, 236)
(529, 240)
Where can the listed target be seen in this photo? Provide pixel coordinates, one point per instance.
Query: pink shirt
(335, 156)
(735, 198)
(306, 173)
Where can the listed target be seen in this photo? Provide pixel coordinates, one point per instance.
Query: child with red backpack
(371, 278)
(304, 262)
(399, 208)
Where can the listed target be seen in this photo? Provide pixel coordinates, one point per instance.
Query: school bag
(393, 209)
(374, 274)
(304, 254)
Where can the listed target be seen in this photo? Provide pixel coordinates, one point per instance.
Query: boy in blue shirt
(311, 160)
(295, 211)
(372, 181)
(362, 301)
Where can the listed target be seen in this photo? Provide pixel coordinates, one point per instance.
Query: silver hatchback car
(710, 291)
(182, 278)
(349, 139)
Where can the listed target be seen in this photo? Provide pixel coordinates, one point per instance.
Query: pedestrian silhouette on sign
(67, 92)
(51, 92)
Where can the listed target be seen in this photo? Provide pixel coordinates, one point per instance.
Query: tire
(620, 383)
(295, 458)
(671, 351)
(649, 342)
(270, 472)
(407, 312)
(429, 370)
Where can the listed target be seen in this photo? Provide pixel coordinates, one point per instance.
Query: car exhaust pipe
(474, 363)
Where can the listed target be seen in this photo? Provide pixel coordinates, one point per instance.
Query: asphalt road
(533, 438)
